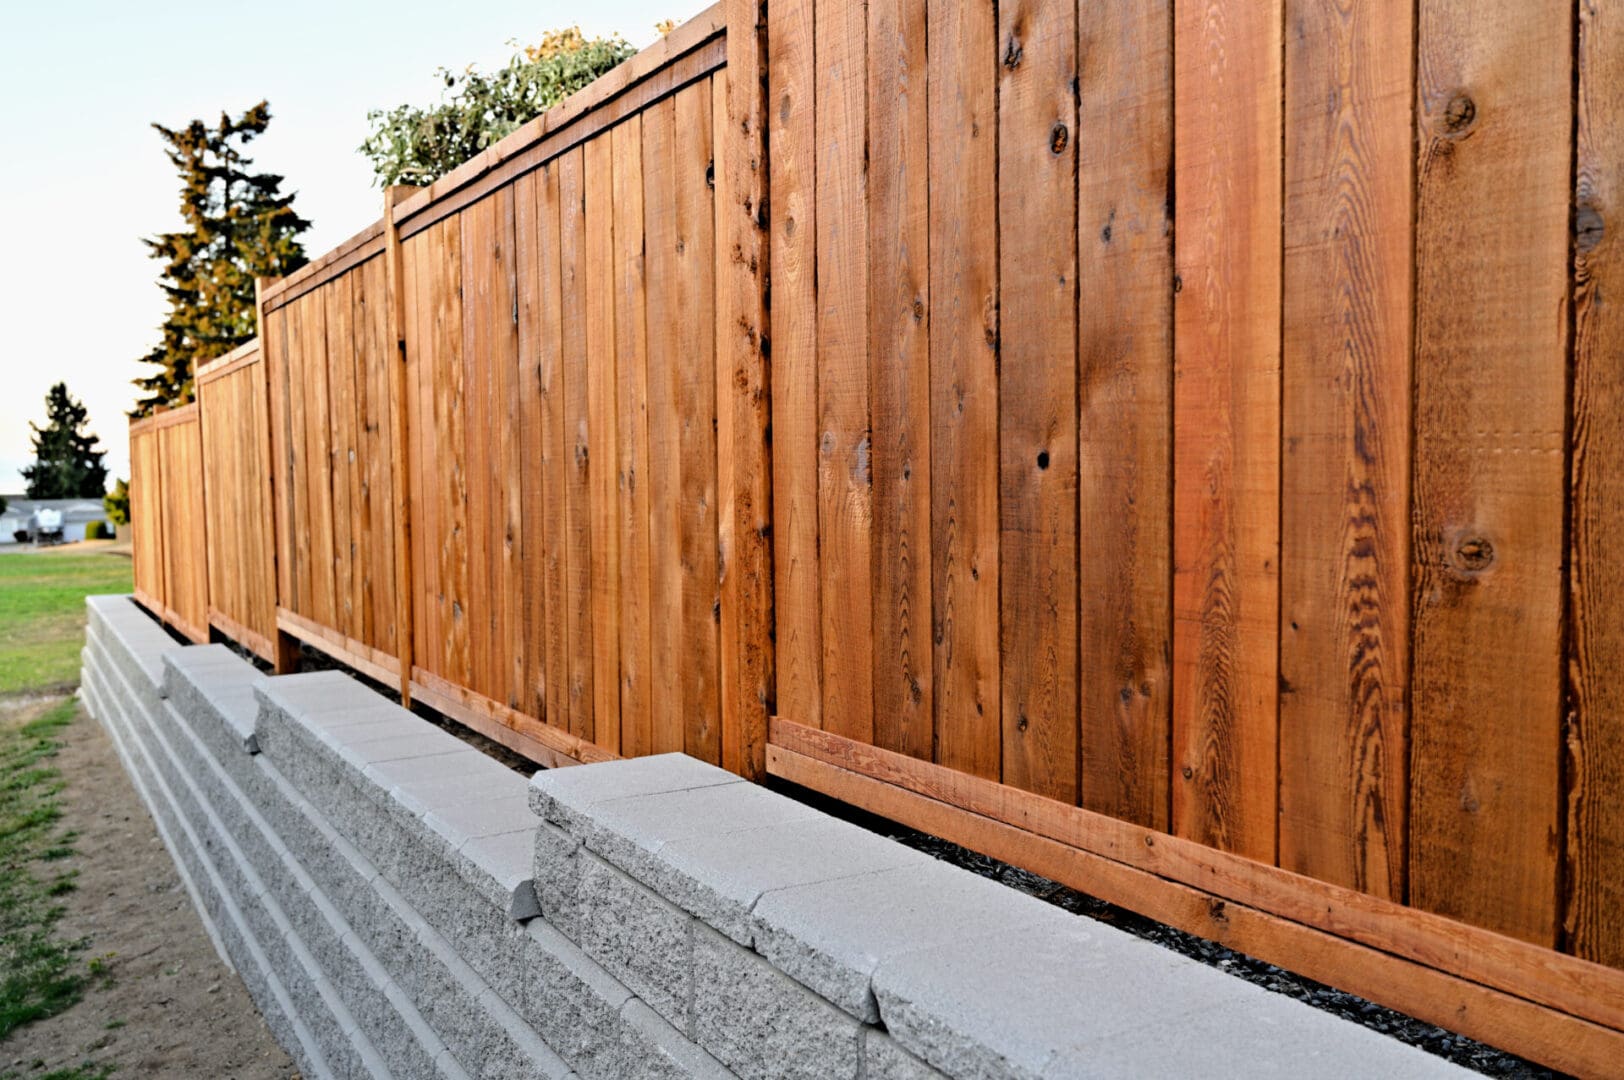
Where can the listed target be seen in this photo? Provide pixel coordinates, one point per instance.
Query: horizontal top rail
(181, 414)
(243, 355)
(690, 52)
(364, 245)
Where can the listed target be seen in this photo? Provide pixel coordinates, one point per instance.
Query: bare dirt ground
(160, 1002)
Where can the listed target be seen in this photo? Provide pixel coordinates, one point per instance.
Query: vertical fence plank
(319, 461)
(792, 116)
(335, 299)
(603, 438)
(451, 416)
(555, 449)
(1493, 194)
(1125, 355)
(1227, 422)
(1344, 612)
(1037, 395)
(405, 575)
(533, 477)
(899, 352)
(481, 609)
(631, 432)
(1594, 919)
(845, 473)
(743, 391)
(665, 364)
(964, 384)
(578, 378)
(505, 476)
(694, 275)
(301, 394)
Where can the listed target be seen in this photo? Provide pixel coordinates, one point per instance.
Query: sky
(84, 177)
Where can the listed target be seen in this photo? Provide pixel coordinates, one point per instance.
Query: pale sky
(84, 177)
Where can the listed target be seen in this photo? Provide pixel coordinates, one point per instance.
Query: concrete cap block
(492, 779)
(1009, 1003)
(631, 831)
(460, 822)
(504, 861)
(834, 934)
(315, 692)
(719, 877)
(580, 787)
(431, 742)
(403, 772)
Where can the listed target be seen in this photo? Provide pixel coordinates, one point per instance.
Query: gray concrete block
(761, 1023)
(457, 823)
(1002, 1004)
(631, 832)
(500, 867)
(720, 876)
(884, 1059)
(465, 764)
(555, 792)
(570, 1000)
(482, 779)
(833, 934)
(673, 1053)
(639, 938)
(556, 873)
(312, 692)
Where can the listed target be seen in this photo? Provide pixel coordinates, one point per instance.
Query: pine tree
(67, 464)
(239, 226)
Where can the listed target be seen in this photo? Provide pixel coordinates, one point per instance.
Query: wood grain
(1125, 358)
(1593, 919)
(1226, 411)
(602, 439)
(1492, 212)
(1037, 396)
(792, 117)
(899, 355)
(964, 386)
(845, 467)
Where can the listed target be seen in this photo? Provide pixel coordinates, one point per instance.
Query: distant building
(76, 514)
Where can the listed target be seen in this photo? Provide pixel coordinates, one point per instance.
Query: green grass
(42, 615)
(39, 973)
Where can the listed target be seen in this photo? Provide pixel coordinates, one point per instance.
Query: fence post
(398, 426)
(284, 646)
(743, 401)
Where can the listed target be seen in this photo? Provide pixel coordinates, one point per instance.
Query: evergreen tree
(67, 464)
(238, 226)
(117, 503)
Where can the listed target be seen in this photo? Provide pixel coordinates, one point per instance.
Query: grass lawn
(42, 628)
(42, 615)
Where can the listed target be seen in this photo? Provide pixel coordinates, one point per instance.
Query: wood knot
(1012, 53)
(1188, 772)
(1058, 138)
(918, 310)
(1459, 114)
(1020, 725)
(1043, 459)
(1474, 554)
(1587, 228)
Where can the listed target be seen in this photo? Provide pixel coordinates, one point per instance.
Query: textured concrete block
(639, 938)
(719, 876)
(313, 692)
(630, 832)
(557, 878)
(761, 1023)
(570, 1000)
(1001, 1004)
(475, 780)
(672, 1052)
(466, 764)
(460, 822)
(832, 935)
(555, 793)
(884, 1059)
(500, 867)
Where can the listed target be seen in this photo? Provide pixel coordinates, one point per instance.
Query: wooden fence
(169, 543)
(1190, 437)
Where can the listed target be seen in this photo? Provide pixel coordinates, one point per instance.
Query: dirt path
(167, 1006)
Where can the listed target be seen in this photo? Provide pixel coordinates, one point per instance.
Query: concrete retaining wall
(399, 904)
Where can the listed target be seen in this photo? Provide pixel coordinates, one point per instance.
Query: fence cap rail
(352, 252)
(163, 418)
(697, 31)
(243, 355)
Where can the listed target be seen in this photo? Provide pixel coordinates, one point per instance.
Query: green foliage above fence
(413, 144)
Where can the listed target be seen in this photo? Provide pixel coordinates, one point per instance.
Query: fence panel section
(166, 510)
(235, 417)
